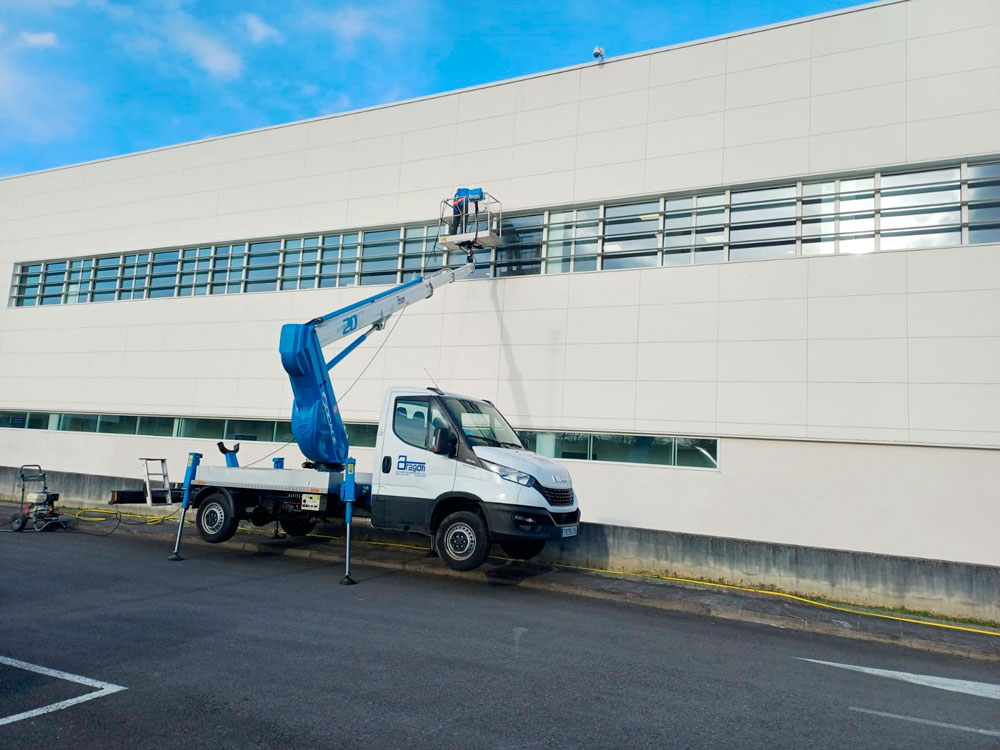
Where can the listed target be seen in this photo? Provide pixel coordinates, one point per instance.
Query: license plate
(569, 531)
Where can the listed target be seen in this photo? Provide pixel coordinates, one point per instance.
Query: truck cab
(451, 467)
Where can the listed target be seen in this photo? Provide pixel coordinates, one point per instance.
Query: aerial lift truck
(447, 466)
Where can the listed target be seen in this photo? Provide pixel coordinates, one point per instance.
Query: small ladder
(163, 487)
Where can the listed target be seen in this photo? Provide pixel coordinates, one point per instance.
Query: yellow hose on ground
(154, 520)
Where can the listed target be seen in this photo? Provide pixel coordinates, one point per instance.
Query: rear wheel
(298, 525)
(463, 541)
(522, 549)
(217, 521)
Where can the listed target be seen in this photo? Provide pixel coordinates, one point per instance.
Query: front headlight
(511, 475)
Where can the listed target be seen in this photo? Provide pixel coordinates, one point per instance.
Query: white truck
(447, 466)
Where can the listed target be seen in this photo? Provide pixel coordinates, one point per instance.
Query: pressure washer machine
(38, 506)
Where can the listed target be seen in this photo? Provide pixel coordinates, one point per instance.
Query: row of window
(949, 205)
(641, 449)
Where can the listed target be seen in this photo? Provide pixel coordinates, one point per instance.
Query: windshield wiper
(517, 446)
(487, 439)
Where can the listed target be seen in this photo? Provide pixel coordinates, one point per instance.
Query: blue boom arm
(316, 422)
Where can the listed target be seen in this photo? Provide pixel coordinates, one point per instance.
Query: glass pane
(925, 197)
(264, 247)
(633, 209)
(612, 262)
(212, 429)
(362, 435)
(907, 240)
(767, 194)
(677, 257)
(857, 245)
(636, 449)
(557, 444)
(283, 432)
(117, 424)
(702, 452)
(13, 418)
(763, 213)
(709, 255)
(903, 219)
(984, 170)
(78, 422)
(919, 178)
(41, 420)
(630, 245)
(984, 191)
(384, 236)
(261, 286)
(821, 246)
(762, 251)
(249, 429)
(984, 234)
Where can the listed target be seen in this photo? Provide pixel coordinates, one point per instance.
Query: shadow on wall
(949, 589)
(72, 488)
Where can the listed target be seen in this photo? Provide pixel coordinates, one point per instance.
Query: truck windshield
(482, 423)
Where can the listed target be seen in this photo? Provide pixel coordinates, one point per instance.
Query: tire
(462, 541)
(18, 522)
(216, 521)
(522, 549)
(298, 525)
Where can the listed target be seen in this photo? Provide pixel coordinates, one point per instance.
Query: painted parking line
(980, 689)
(102, 689)
(915, 720)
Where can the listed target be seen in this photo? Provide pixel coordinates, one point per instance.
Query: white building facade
(749, 286)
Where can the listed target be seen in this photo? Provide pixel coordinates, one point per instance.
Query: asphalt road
(230, 649)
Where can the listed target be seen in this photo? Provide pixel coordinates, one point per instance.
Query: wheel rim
(460, 541)
(213, 518)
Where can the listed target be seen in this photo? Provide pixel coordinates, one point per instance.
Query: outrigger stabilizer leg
(347, 495)
(192, 469)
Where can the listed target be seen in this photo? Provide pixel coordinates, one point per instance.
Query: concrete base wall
(948, 589)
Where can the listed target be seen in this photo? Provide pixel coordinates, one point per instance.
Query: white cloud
(259, 30)
(351, 24)
(38, 108)
(210, 53)
(39, 38)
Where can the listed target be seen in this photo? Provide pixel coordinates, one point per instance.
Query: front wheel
(18, 522)
(217, 521)
(463, 541)
(522, 549)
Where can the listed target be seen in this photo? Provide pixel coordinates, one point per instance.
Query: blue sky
(86, 79)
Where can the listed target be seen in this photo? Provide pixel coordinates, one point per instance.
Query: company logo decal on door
(411, 468)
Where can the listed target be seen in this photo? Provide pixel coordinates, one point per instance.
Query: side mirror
(444, 441)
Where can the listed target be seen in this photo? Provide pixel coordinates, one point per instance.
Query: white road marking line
(980, 689)
(914, 719)
(103, 688)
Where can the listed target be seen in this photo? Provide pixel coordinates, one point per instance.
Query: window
(78, 422)
(160, 426)
(13, 418)
(890, 210)
(482, 423)
(249, 429)
(410, 419)
(117, 424)
(211, 429)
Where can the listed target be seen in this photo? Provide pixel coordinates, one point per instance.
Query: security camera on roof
(599, 52)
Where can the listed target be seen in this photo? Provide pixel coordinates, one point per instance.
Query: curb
(663, 595)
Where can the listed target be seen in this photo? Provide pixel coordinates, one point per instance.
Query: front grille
(556, 497)
(562, 519)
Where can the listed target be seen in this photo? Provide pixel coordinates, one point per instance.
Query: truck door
(409, 476)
